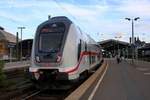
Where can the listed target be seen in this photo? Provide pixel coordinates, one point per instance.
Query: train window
(90, 58)
(50, 37)
(79, 49)
(54, 27)
(93, 59)
(99, 56)
(50, 41)
(85, 46)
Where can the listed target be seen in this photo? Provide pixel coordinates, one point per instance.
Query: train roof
(60, 18)
(57, 19)
(68, 21)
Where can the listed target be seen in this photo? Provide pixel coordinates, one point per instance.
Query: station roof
(7, 36)
(26, 43)
(111, 43)
(145, 47)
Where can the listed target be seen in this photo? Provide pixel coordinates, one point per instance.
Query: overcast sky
(101, 19)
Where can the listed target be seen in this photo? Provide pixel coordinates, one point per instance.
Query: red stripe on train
(80, 59)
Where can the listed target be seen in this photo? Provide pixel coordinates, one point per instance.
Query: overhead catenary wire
(64, 8)
(67, 11)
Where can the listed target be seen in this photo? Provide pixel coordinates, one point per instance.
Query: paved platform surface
(125, 81)
(16, 65)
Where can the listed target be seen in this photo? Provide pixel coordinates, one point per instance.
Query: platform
(123, 81)
(16, 65)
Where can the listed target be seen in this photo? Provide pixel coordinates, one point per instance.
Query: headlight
(37, 58)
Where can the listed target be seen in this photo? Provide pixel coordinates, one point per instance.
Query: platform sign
(11, 45)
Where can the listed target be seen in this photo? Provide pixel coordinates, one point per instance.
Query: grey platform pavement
(16, 65)
(86, 87)
(124, 81)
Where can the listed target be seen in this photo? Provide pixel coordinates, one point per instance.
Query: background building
(7, 42)
(26, 48)
(144, 52)
(112, 47)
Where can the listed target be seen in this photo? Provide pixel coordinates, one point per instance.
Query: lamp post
(132, 41)
(21, 28)
(17, 40)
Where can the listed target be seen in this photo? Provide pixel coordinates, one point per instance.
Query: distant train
(62, 52)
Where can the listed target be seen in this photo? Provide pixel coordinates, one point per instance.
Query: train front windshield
(50, 41)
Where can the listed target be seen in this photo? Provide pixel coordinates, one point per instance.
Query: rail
(32, 95)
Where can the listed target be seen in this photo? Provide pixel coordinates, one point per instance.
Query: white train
(62, 52)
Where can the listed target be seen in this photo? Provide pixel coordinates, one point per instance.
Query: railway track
(27, 91)
(16, 73)
(31, 95)
(15, 91)
(48, 94)
(45, 94)
(24, 89)
(51, 94)
(26, 95)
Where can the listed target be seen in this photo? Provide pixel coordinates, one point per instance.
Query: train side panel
(70, 53)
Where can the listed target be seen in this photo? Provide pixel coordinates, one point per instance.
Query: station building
(11, 49)
(144, 52)
(112, 47)
(7, 41)
(26, 48)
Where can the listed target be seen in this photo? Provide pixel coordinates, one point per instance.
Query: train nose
(49, 75)
(45, 75)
